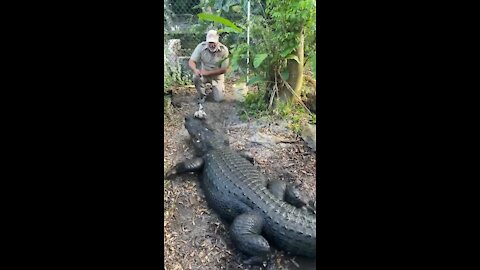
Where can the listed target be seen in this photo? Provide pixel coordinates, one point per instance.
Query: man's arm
(193, 66)
(194, 59)
(214, 72)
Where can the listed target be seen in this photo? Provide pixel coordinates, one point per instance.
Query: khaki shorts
(218, 86)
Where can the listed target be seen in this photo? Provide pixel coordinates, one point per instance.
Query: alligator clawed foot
(248, 156)
(170, 173)
(264, 262)
(271, 265)
(255, 260)
(311, 206)
(310, 209)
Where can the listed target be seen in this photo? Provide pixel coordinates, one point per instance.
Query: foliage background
(274, 37)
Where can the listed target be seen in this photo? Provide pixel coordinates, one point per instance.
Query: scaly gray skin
(261, 213)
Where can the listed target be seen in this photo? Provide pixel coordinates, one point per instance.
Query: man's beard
(214, 49)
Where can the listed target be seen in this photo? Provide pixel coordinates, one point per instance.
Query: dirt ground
(194, 236)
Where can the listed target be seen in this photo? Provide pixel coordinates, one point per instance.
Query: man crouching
(213, 57)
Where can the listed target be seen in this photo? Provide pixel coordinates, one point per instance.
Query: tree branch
(295, 95)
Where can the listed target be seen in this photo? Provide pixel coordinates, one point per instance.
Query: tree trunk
(295, 71)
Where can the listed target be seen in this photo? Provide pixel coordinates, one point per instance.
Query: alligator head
(204, 138)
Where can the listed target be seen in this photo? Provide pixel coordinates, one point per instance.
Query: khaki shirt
(209, 60)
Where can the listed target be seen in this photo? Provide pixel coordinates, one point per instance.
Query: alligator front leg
(245, 231)
(289, 194)
(277, 188)
(248, 157)
(192, 165)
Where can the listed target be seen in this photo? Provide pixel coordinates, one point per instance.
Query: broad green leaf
(287, 51)
(234, 65)
(227, 30)
(218, 19)
(256, 79)
(259, 59)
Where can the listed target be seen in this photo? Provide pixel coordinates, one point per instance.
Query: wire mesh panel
(180, 15)
(182, 33)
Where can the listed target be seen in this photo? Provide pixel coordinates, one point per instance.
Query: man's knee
(218, 93)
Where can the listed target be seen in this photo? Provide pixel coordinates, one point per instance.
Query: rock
(183, 133)
(239, 126)
(262, 139)
(267, 140)
(309, 135)
(240, 90)
(173, 51)
(280, 127)
(286, 145)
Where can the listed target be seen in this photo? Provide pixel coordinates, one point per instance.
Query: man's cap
(212, 36)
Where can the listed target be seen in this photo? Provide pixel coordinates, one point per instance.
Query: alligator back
(233, 185)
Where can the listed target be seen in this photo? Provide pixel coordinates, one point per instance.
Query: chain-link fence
(181, 22)
(183, 30)
(178, 14)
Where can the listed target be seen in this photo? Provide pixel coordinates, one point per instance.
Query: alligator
(260, 212)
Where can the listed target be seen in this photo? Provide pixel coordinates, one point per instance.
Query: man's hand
(214, 72)
(197, 72)
(205, 72)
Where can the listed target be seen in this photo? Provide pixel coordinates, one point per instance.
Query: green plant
(167, 101)
(167, 83)
(296, 115)
(282, 43)
(254, 105)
